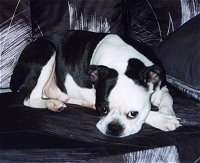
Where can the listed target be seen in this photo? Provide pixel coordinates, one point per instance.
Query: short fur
(101, 71)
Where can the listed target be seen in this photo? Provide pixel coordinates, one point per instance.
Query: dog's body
(100, 71)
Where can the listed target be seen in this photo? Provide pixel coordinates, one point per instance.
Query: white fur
(163, 100)
(114, 53)
(79, 95)
(162, 121)
(165, 119)
(126, 96)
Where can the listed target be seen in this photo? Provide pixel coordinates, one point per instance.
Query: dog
(96, 70)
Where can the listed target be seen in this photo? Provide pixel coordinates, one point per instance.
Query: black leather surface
(180, 54)
(92, 15)
(32, 134)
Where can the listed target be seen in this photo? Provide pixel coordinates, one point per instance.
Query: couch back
(148, 21)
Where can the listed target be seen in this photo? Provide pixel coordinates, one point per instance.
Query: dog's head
(123, 99)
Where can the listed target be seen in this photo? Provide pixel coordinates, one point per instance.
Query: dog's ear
(145, 75)
(99, 72)
(93, 73)
(153, 74)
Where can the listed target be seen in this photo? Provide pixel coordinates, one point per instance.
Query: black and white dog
(100, 71)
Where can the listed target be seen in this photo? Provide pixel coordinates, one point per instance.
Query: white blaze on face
(126, 96)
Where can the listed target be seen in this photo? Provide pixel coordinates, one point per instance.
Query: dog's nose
(114, 129)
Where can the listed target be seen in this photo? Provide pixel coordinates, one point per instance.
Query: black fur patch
(74, 52)
(142, 74)
(134, 71)
(106, 79)
(29, 66)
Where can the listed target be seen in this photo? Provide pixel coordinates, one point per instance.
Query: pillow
(15, 32)
(92, 15)
(151, 21)
(180, 55)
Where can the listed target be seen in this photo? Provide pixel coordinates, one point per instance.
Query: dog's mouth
(113, 129)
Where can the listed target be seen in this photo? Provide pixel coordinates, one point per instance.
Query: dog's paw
(156, 98)
(55, 105)
(63, 97)
(167, 110)
(81, 102)
(168, 123)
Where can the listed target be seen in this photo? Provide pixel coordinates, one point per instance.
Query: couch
(35, 135)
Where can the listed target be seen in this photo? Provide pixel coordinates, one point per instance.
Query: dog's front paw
(89, 105)
(81, 102)
(156, 98)
(55, 105)
(168, 123)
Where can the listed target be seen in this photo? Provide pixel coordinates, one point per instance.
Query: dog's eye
(132, 114)
(105, 110)
(102, 108)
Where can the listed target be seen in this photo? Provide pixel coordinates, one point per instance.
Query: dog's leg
(81, 102)
(162, 121)
(163, 100)
(55, 105)
(44, 82)
(51, 104)
(55, 98)
(58, 98)
(51, 90)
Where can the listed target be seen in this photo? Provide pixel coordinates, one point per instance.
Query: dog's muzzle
(114, 129)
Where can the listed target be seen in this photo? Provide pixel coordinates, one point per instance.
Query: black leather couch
(31, 135)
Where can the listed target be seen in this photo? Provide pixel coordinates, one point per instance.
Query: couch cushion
(92, 15)
(150, 21)
(180, 56)
(15, 31)
(35, 135)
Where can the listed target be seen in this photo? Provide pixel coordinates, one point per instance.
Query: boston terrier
(96, 70)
